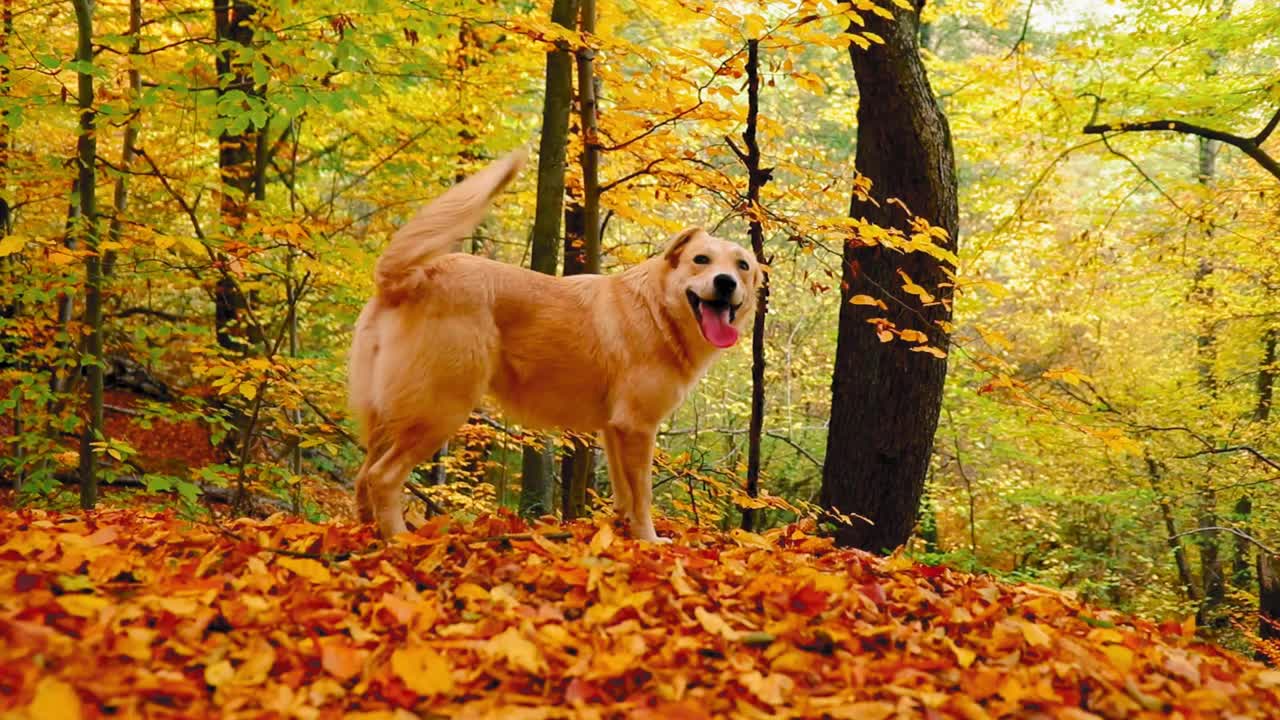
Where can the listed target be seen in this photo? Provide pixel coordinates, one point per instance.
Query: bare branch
(1238, 533)
(1249, 146)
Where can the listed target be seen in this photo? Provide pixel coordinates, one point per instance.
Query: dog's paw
(652, 537)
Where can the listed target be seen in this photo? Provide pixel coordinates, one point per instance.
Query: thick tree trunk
(756, 178)
(536, 473)
(886, 398)
(92, 364)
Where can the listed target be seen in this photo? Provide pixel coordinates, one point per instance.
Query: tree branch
(1249, 146)
(1238, 533)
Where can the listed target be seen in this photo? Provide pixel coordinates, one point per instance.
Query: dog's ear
(676, 245)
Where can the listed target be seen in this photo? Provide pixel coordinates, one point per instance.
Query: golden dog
(609, 354)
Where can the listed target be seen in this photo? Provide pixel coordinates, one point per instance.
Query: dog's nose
(725, 285)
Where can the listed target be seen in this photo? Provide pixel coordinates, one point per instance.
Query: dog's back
(399, 276)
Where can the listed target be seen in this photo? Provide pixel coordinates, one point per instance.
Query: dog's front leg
(630, 454)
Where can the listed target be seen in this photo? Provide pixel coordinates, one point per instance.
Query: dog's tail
(439, 225)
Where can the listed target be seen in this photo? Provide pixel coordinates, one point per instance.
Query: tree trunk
(92, 362)
(120, 198)
(535, 481)
(756, 178)
(582, 250)
(236, 154)
(1171, 531)
(1267, 375)
(1268, 597)
(1240, 556)
(536, 473)
(885, 398)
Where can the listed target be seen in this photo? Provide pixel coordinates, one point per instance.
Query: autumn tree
(87, 150)
(582, 244)
(886, 397)
(536, 475)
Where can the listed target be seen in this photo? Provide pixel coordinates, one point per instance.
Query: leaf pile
(132, 614)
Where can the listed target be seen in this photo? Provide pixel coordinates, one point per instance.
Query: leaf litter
(130, 614)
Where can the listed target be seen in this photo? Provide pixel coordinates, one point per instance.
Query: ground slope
(124, 614)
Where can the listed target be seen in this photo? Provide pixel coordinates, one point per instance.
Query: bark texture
(885, 398)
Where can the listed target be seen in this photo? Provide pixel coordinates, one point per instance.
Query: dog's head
(711, 283)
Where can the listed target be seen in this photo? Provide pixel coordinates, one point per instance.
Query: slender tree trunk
(120, 197)
(582, 249)
(756, 178)
(58, 380)
(1212, 574)
(885, 398)
(1156, 480)
(12, 308)
(87, 149)
(1240, 555)
(1267, 375)
(536, 474)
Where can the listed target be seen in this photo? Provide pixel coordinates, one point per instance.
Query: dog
(607, 354)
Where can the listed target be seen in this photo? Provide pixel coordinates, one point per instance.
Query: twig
(1236, 448)
(1238, 533)
(507, 537)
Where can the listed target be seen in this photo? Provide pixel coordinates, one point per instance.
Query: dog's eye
(701, 259)
(744, 265)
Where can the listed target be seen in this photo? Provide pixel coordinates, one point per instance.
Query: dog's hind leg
(377, 446)
(411, 446)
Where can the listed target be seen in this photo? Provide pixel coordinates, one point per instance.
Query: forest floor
(130, 613)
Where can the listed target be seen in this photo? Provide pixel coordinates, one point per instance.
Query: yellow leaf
(83, 605)
(179, 606)
(910, 335)
(867, 300)
(872, 710)
(423, 670)
(219, 673)
(249, 390)
(602, 539)
(55, 699)
(517, 650)
(61, 257)
(714, 624)
(1120, 656)
(680, 580)
(1269, 679)
(471, 591)
(12, 244)
(773, 689)
(964, 656)
(910, 286)
(1035, 634)
(306, 567)
(929, 349)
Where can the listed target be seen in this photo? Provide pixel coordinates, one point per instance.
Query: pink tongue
(715, 326)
